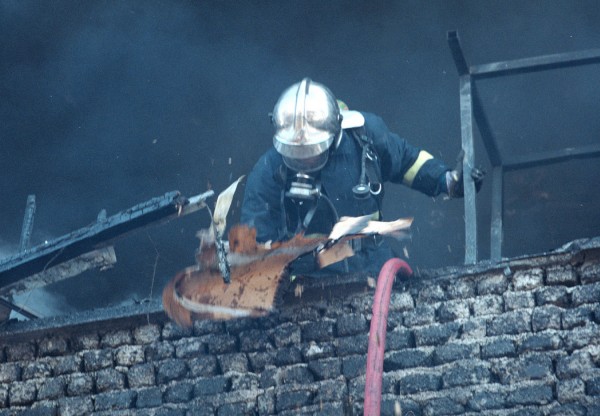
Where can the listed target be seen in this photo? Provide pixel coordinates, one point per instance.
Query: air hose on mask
(306, 189)
(381, 303)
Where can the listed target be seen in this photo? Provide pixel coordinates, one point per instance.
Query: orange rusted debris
(256, 274)
(256, 270)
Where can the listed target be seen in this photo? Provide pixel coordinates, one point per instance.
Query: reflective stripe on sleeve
(409, 176)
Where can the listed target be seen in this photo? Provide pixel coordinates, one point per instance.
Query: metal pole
(466, 125)
(496, 232)
(466, 117)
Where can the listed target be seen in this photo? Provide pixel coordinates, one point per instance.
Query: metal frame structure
(471, 110)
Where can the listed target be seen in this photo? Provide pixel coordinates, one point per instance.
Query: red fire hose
(381, 303)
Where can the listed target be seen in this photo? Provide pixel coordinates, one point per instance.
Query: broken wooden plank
(102, 258)
(27, 223)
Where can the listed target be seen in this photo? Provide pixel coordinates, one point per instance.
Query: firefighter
(328, 162)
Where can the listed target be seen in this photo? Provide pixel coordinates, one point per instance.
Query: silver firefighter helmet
(307, 121)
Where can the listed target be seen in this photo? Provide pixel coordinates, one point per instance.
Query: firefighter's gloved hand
(454, 181)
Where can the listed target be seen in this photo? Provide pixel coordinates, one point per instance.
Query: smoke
(42, 303)
(6, 249)
(108, 104)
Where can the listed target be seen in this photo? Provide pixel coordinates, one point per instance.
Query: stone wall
(518, 338)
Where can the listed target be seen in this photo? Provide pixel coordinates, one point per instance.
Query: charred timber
(96, 235)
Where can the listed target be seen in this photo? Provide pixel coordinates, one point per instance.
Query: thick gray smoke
(105, 104)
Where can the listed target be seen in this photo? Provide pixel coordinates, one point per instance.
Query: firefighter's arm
(261, 207)
(403, 163)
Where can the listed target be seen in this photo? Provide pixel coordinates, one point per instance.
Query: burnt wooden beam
(102, 258)
(27, 223)
(99, 234)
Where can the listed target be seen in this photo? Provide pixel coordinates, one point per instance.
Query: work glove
(454, 178)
